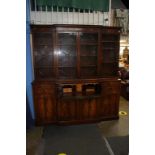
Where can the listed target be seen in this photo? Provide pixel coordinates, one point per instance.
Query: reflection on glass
(67, 38)
(67, 56)
(67, 50)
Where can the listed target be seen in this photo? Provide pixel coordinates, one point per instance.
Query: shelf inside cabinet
(85, 66)
(88, 50)
(110, 41)
(44, 72)
(67, 72)
(43, 60)
(109, 69)
(88, 61)
(66, 66)
(109, 56)
(89, 43)
(88, 71)
(89, 37)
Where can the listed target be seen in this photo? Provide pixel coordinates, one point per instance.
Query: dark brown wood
(45, 103)
(76, 77)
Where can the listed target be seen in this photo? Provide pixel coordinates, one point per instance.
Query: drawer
(44, 89)
(111, 87)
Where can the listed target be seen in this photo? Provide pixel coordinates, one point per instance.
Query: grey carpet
(119, 145)
(74, 140)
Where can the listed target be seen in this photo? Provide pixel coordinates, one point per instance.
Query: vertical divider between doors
(56, 53)
(78, 54)
(99, 53)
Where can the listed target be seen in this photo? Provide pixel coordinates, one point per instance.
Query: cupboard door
(43, 55)
(67, 55)
(88, 54)
(110, 54)
(108, 106)
(66, 109)
(45, 103)
(87, 109)
(45, 109)
(92, 108)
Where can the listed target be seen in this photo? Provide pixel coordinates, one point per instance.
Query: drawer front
(44, 89)
(111, 87)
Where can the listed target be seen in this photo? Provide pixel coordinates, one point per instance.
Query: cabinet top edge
(73, 26)
(75, 80)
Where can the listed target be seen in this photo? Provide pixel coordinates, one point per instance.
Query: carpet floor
(74, 140)
(119, 145)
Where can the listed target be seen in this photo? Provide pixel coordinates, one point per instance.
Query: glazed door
(88, 54)
(67, 54)
(43, 55)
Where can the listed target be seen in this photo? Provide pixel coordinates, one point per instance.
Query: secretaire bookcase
(76, 73)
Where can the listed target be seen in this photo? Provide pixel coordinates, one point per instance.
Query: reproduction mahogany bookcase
(76, 73)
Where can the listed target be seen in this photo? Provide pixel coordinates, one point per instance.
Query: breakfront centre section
(76, 73)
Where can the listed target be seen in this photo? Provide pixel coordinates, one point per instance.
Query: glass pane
(67, 50)
(43, 56)
(67, 72)
(110, 45)
(67, 56)
(88, 50)
(42, 39)
(41, 73)
(109, 56)
(45, 60)
(108, 37)
(109, 69)
(66, 38)
(67, 61)
(42, 47)
(88, 71)
(88, 60)
(89, 37)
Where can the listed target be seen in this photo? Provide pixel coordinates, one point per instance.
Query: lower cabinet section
(44, 103)
(45, 109)
(76, 110)
(66, 106)
(66, 110)
(87, 109)
(108, 106)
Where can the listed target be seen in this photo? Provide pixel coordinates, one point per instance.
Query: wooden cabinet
(75, 70)
(45, 103)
